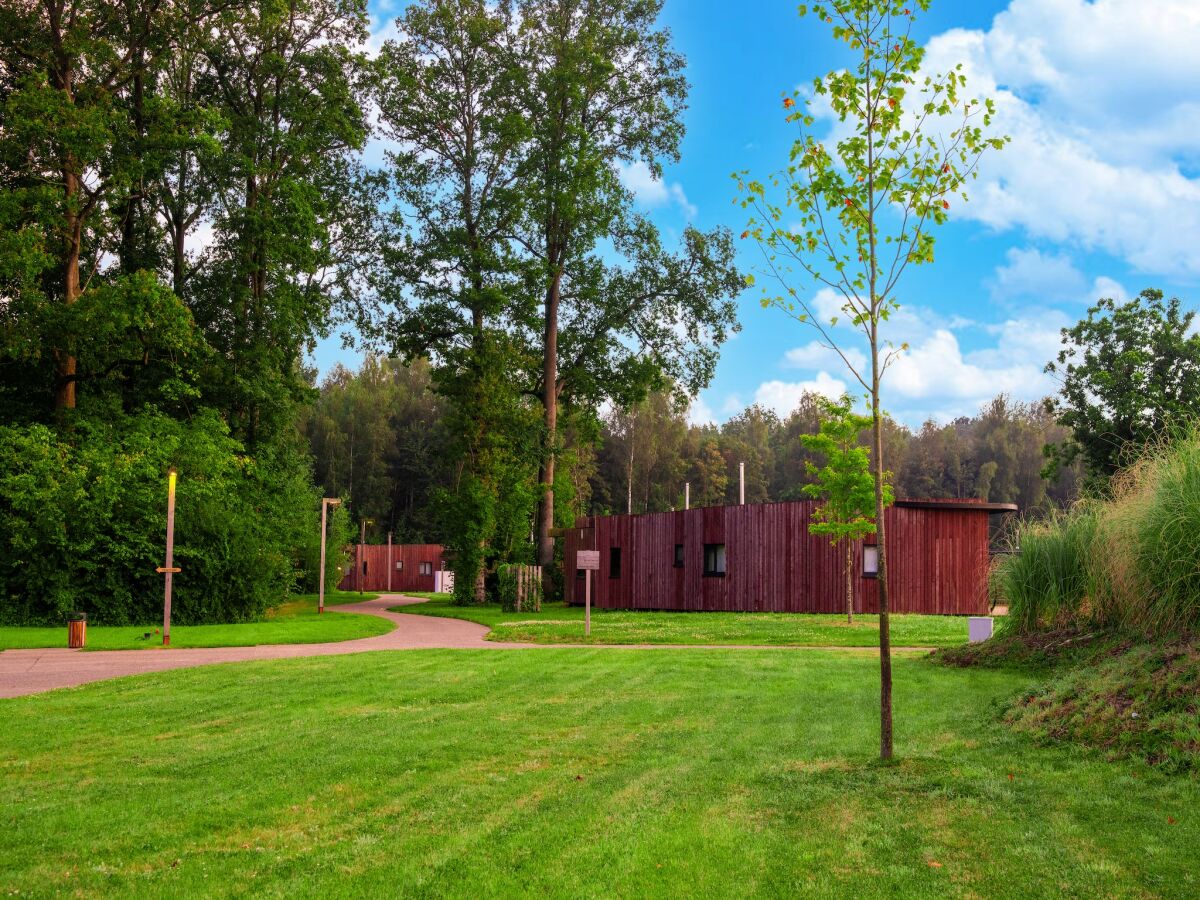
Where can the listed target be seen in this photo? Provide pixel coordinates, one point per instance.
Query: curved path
(34, 671)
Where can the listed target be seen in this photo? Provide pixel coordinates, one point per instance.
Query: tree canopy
(1129, 374)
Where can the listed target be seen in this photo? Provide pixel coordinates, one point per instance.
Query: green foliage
(126, 129)
(1046, 579)
(647, 452)
(85, 521)
(1130, 374)
(378, 437)
(508, 593)
(1156, 580)
(1128, 562)
(844, 484)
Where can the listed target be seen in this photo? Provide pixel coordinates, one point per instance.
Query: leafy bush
(83, 521)
(507, 590)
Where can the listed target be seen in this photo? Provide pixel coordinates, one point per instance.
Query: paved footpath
(34, 671)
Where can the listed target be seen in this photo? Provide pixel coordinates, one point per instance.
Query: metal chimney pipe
(742, 483)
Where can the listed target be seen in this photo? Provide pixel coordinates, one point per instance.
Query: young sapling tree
(844, 484)
(858, 206)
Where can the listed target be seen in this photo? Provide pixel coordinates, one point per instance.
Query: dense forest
(377, 437)
(187, 207)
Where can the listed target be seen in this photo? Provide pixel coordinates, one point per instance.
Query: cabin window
(426, 568)
(614, 562)
(714, 560)
(679, 556)
(870, 561)
(399, 565)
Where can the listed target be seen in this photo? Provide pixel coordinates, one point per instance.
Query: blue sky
(1097, 195)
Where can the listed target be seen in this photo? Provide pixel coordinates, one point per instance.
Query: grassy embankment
(1105, 602)
(558, 623)
(295, 622)
(571, 772)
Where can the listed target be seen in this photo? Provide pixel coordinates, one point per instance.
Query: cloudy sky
(1097, 195)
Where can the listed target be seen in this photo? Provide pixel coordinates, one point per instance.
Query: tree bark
(849, 581)
(550, 400)
(64, 395)
(885, 635)
(62, 77)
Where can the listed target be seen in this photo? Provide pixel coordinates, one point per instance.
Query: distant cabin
(762, 558)
(413, 567)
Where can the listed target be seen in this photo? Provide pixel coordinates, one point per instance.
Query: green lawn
(570, 773)
(558, 623)
(296, 622)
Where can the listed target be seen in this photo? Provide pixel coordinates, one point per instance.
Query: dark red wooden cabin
(937, 552)
(412, 567)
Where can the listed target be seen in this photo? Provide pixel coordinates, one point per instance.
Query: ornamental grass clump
(1129, 562)
(1046, 580)
(1159, 574)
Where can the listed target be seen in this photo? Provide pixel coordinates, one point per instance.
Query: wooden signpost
(589, 561)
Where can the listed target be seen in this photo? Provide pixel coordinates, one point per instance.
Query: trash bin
(979, 628)
(76, 630)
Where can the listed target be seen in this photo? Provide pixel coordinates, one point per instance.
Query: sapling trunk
(849, 565)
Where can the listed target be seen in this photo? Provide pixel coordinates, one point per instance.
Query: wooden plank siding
(408, 578)
(937, 558)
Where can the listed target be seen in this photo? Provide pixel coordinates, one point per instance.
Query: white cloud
(936, 376)
(381, 33)
(732, 405)
(815, 355)
(700, 413)
(1107, 287)
(937, 368)
(1099, 99)
(1031, 273)
(653, 192)
(784, 396)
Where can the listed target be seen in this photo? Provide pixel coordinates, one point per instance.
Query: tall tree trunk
(550, 399)
(64, 394)
(62, 77)
(178, 256)
(629, 471)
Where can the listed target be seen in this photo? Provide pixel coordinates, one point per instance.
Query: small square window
(426, 568)
(679, 556)
(614, 562)
(870, 561)
(714, 560)
(399, 565)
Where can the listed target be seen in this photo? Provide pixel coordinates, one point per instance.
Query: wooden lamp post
(326, 502)
(362, 539)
